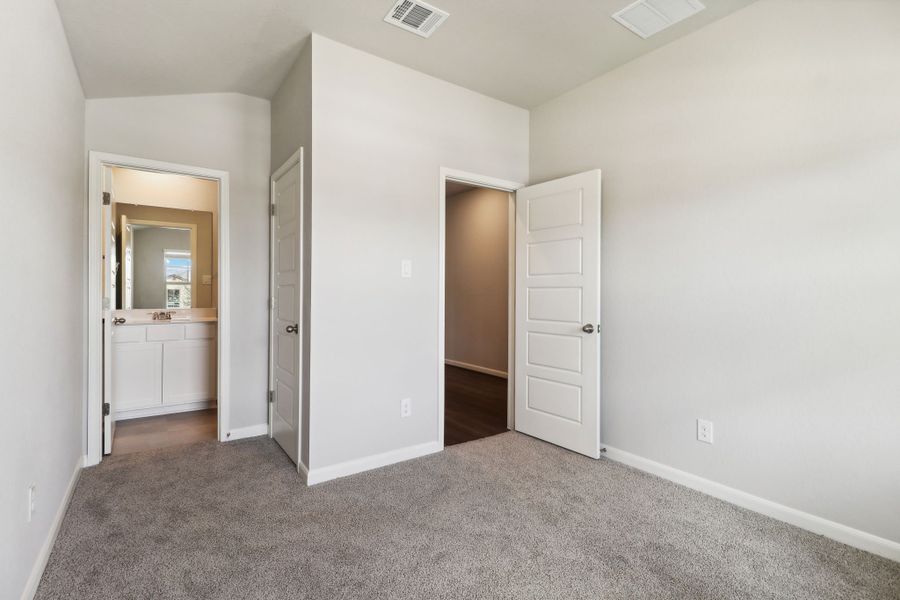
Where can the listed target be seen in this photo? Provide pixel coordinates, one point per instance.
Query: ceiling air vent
(646, 17)
(417, 17)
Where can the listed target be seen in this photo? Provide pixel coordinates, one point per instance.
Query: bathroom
(160, 289)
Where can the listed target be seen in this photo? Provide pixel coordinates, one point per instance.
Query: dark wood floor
(474, 405)
(149, 433)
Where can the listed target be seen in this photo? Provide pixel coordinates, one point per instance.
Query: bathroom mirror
(165, 258)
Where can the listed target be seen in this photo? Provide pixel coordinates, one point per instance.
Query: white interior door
(109, 305)
(558, 312)
(287, 294)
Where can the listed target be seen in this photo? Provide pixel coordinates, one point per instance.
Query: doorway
(157, 338)
(553, 331)
(477, 307)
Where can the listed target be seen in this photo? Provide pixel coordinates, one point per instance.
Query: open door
(109, 305)
(127, 265)
(287, 295)
(557, 388)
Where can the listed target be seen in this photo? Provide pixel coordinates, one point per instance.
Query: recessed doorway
(478, 308)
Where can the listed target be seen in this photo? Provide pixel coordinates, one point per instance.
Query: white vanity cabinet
(160, 368)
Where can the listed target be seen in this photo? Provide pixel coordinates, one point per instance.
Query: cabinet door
(189, 371)
(137, 375)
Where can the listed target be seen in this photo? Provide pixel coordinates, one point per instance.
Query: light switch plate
(406, 268)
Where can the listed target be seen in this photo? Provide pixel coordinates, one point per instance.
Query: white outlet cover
(406, 407)
(704, 431)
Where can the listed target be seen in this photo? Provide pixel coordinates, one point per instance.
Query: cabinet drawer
(165, 333)
(128, 333)
(200, 331)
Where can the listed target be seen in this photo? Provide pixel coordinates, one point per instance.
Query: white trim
(40, 562)
(358, 465)
(247, 432)
(484, 182)
(94, 401)
(155, 411)
(304, 470)
(830, 529)
(476, 368)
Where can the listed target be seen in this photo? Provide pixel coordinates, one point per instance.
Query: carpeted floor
(502, 517)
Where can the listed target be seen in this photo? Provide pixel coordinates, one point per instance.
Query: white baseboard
(304, 471)
(358, 465)
(155, 411)
(40, 563)
(479, 369)
(248, 432)
(841, 533)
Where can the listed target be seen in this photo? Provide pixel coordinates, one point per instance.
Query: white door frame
(94, 409)
(296, 157)
(482, 181)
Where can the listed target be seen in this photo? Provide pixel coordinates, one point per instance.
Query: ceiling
(522, 51)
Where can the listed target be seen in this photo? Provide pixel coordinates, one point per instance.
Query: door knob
(588, 328)
(292, 328)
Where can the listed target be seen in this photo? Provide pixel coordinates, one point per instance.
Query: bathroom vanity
(162, 366)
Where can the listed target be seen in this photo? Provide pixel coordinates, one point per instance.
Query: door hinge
(271, 396)
(107, 199)
(106, 409)
(272, 209)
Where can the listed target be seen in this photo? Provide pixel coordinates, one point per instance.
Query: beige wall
(206, 245)
(133, 186)
(751, 251)
(477, 276)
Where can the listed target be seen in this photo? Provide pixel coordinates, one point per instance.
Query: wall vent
(646, 17)
(417, 17)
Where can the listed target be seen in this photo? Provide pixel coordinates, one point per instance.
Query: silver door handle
(292, 328)
(588, 328)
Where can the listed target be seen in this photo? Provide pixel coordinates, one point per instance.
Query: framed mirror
(165, 262)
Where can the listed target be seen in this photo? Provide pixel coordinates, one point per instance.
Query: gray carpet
(504, 517)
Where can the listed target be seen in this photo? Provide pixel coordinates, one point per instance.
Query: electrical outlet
(32, 500)
(704, 431)
(405, 407)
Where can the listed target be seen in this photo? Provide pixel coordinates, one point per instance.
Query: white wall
(477, 276)
(42, 247)
(751, 251)
(292, 129)
(381, 134)
(229, 132)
